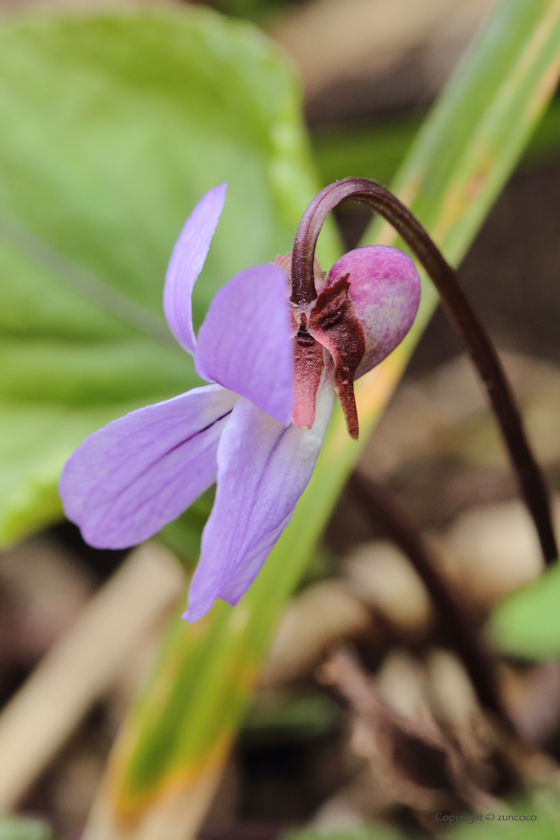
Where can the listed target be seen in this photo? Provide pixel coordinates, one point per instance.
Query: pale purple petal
(385, 289)
(187, 260)
(244, 342)
(263, 468)
(247, 571)
(129, 479)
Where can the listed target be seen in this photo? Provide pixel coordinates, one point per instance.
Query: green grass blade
(181, 728)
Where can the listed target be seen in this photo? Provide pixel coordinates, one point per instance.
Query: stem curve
(466, 323)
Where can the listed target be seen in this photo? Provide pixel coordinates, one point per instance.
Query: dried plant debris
(490, 550)
(444, 414)
(415, 761)
(321, 615)
(438, 445)
(382, 577)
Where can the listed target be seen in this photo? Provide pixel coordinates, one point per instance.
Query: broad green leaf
(183, 724)
(527, 622)
(113, 126)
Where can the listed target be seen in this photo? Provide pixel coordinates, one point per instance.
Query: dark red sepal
(308, 367)
(334, 323)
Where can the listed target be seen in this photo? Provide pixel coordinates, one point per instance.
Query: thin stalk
(471, 332)
(377, 500)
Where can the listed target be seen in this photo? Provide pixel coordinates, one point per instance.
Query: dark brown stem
(378, 501)
(466, 323)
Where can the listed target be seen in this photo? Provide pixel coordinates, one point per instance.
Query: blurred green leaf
(113, 126)
(290, 713)
(376, 148)
(183, 536)
(20, 828)
(527, 622)
(257, 10)
(368, 831)
(366, 149)
(545, 142)
(542, 804)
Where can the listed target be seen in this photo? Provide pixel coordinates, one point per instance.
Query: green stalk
(168, 757)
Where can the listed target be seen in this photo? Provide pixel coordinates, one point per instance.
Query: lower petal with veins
(129, 479)
(263, 468)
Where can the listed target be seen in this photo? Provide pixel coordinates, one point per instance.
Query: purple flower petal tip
(195, 613)
(263, 468)
(244, 342)
(385, 290)
(186, 263)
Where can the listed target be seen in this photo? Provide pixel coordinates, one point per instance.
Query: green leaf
(363, 149)
(375, 149)
(369, 831)
(19, 828)
(113, 126)
(527, 622)
(183, 536)
(290, 713)
(543, 805)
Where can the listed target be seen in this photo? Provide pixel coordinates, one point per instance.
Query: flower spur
(257, 429)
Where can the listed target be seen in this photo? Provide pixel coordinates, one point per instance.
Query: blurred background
(370, 70)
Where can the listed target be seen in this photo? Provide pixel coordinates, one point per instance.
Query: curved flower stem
(466, 323)
(376, 499)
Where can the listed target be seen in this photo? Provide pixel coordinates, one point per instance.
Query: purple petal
(187, 260)
(385, 289)
(129, 479)
(244, 341)
(263, 468)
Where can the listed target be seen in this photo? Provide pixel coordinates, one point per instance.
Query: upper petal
(263, 468)
(385, 291)
(187, 260)
(129, 479)
(244, 341)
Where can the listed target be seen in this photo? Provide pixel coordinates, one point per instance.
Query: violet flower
(258, 428)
